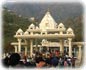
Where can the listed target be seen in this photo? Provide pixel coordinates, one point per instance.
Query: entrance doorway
(53, 49)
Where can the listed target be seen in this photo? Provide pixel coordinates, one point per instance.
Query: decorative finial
(48, 10)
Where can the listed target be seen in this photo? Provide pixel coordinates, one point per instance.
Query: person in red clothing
(41, 64)
(57, 53)
(25, 58)
(73, 61)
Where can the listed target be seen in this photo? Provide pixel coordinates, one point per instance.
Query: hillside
(59, 11)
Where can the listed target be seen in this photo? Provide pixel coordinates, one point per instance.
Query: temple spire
(48, 10)
(47, 22)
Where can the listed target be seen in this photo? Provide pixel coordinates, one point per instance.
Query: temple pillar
(25, 47)
(70, 47)
(15, 48)
(31, 48)
(19, 45)
(61, 46)
(25, 50)
(80, 52)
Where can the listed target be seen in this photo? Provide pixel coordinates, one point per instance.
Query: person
(40, 61)
(73, 61)
(57, 53)
(65, 63)
(30, 64)
(41, 64)
(69, 61)
(61, 61)
(54, 61)
(14, 59)
(25, 58)
(48, 60)
(6, 61)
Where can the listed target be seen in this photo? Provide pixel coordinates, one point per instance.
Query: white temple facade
(47, 22)
(48, 29)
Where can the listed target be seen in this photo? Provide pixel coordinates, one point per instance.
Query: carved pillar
(70, 47)
(31, 48)
(25, 46)
(15, 48)
(19, 45)
(61, 46)
(25, 50)
(80, 52)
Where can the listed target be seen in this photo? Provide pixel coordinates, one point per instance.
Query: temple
(48, 30)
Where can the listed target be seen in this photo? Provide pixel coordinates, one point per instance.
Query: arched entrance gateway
(48, 29)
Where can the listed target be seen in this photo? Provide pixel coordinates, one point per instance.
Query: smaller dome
(61, 25)
(26, 33)
(69, 29)
(32, 26)
(20, 30)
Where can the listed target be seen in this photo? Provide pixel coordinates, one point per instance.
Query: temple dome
(47, 22)
(69, 29)
(19, 31)
(61, 25)
(32, 26)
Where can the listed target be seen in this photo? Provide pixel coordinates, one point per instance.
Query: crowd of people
(39, 60)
